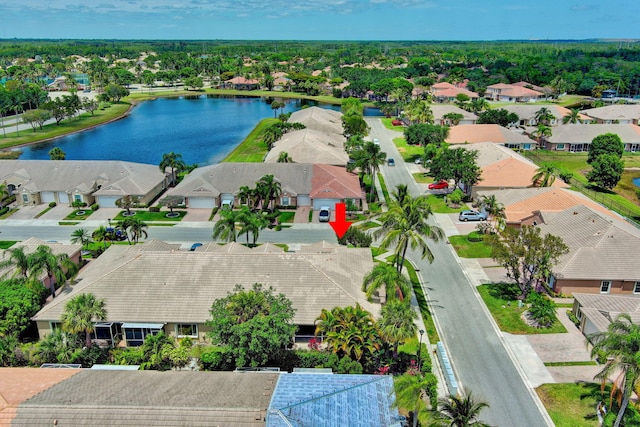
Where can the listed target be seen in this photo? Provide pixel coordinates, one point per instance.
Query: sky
(320, 19)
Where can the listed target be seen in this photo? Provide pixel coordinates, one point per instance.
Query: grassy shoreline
(252, 149)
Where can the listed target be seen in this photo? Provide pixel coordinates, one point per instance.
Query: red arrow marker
(340, 225)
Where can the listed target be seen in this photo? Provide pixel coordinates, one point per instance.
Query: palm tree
(397, 323)
(269, 188)
(494, 208)
(544, 116)
(250, 222)
(407, 225)
(419, 111)
(369, 159)
(101, 234)
(620, 347)
(56, 266)
(386, 276)
(542, 131)
(283, 157)
(461, 411)
(479, 104)
(81, 235)
(79, 315)
(56, 153)
(247, 195)
(544, 175)
(412, 391)
(225, 228)
(573, 117)
(18, 259)
(136, 227)
(174, 161)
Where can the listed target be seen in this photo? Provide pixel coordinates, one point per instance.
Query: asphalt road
(479, 357)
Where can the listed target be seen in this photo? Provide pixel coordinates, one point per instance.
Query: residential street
(475, 347)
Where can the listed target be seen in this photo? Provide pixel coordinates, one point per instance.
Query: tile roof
(31, 244)
(180, 286)
(599, 247)
(320, 119)
(528, 112)
(152, 398)
(601, 310)
(19, 384)
(580, 133)
(439, 110)
(485, 133)
(326, 400)
(116, 177)
(310, 146)
(453, 92)
(334, 182)
(532, 86)
(615, 112)
(241, 80)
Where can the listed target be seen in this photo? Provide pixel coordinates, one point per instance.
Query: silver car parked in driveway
(472, 216)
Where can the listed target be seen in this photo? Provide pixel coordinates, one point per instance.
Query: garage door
(107, 201)
(202, 202)
(317, 203)
(63, 198)
(47, 197)
(304, 201)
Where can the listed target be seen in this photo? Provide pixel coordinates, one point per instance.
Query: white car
(325, 214)
(376, 141)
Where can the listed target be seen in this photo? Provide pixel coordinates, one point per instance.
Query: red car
(397, 122)
(440, 185)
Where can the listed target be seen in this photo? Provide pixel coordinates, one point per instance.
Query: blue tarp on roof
(327, 400)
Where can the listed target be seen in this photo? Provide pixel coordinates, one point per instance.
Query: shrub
(154, 209)
(4, 210)
(455, 197)
(573, 318)
(541, 309)
(217, 359)
(95, 207)
(476, 236)
(127, 356)
(565, 176)
(356, 237)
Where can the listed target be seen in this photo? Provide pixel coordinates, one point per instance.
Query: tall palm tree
(225, 228)
(136, 227)
(18, 259)
(494, 208)
(80, 313)
(174, 161)
(82, 236)
(386, 276)
(407, 225)
(56, 266)
(101, 234)
(270, 189)
(419, 111)
(542, 131)
(544, 116)
(369, 161)
(412, 392)
(397, 323)
(573, 117)
(251, 222)
(461, 411)
(620, 347)
(544, 175)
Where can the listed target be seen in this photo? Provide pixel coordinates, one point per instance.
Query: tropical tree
(81, 236)
(56, 153)
(418, 111)
(101, 234)
(397, 323)
(619, 345)
(544, 116)
(225, 227)
(80, 313)
(17, 259)
(275, 106)
(386, 276)
(171, 202)
(453, 118)
(406, 225)
(414, 390)
(56, 266)
(269, 188)
(573, 117)
(251, 222)
(544, 176)
(127, 202)
(135, 227)
(478, 104)
(542, 131)
(156, 352)
(461, 411)
(284, 157)
(495, 209)
(608, 143)
(174, 161)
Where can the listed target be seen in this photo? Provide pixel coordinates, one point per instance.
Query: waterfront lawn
(572, 405)
(469, 248)
(503, 305)
(408, 152)
(67, 126)
(151, 216)
(252, 149)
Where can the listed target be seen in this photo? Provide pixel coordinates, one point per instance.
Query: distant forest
(580, 67)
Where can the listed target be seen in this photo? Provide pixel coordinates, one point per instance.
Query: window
(25, 198)
(284, 201)
(77, 197)
(636, 288)
(187, 330)
(559, 146)
(55, 325)
(605, 286)
(135, 336)
(526, 147)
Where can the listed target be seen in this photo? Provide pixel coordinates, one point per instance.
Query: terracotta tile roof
(532, 86)
(452, 92)
(485, 133)
(442, 85)
(243, 81)
(20, 384)
(334, 182)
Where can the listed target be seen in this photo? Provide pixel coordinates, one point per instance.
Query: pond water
(636, 182)
(204, 129)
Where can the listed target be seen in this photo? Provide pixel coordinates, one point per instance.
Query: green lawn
(387, 123)
(68, 222)
(75, 215)
(252, 149)
(286, 216)
(572, 405)
(507, 314)
(8, 214)
(43, 212)
(439, 206)
(67, 126)
(432, 332)
(383, 185)
(422, 178)
(6, 244)
(152, 216)
(468, 249)
(408, 152)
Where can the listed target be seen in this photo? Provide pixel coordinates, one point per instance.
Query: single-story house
(599, 259)
(577, 138)
(595, 312)
(197, 398)
(241, 83)
(439, 111)
(548, 91)
(446, 92)
(215, 185)
(152, 289)
(527, 114)
(525, 206)
(29, 246)
(319, 119)
(310, 146)
(472, 134)
(512, 93)
(502, 168)
(89, 181)
(623, 114)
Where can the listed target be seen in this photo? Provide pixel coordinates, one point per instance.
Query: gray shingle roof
(615, 112)
(180, 286)
(310, 146)
(321, 119)
(581, 134)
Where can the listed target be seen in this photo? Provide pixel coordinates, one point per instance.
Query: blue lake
(203, 129)
(636, 182)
